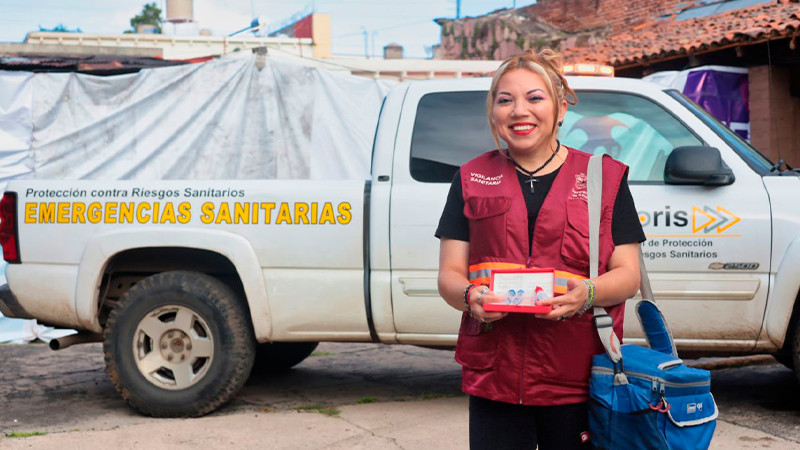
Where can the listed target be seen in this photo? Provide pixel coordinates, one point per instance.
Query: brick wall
(502, 34)
(558, 24)
(495, 36)
(574, 15)
(774, 114)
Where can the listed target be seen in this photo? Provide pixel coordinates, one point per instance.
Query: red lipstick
(522, 128)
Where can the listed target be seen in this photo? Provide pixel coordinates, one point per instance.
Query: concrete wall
(321, 35)
(316, 27)
(774, 114)
(170, 47)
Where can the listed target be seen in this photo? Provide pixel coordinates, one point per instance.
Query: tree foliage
(60, 28)
(150, 15)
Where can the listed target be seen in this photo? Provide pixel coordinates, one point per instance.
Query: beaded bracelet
(589, 296)
(466, 298)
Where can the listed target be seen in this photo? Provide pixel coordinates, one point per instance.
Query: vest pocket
(569, 350)
(487, 224)
(575, 241)
(476, 348)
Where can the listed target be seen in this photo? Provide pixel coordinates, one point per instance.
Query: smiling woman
(524, 206)
(523, 117)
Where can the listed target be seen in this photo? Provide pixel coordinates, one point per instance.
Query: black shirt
(625, 225)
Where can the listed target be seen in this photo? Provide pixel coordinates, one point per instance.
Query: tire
(178, 344)
(795, 350)
(276, 357)
(786, 358)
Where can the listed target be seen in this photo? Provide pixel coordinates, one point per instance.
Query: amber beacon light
(588, 69)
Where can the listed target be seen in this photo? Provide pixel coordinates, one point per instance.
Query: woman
(525, 206)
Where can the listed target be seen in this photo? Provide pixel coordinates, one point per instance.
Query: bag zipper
(651, 378)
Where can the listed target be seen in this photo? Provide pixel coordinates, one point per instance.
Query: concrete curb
(729, 436)
(440, 423)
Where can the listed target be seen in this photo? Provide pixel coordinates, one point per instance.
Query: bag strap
(644, 284)
(594, 192)
(602, 320)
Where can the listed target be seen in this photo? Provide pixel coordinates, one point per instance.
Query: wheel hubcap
(176, 346)
(173, 347)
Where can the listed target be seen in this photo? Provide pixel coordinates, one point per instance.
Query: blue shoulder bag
(642, 398)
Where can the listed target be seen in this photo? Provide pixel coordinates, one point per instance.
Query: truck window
(450, 129)
(630, 128)
(758, 162)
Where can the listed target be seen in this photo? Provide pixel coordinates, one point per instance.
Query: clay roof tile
(654, 40)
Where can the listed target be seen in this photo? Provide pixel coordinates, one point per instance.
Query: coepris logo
(702, 220)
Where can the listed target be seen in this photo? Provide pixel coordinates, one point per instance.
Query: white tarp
(16, 125)
(224, 119)
(18, 331)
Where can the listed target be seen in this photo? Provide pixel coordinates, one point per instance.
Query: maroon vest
(522, 359)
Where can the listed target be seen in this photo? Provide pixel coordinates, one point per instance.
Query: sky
(406, 22)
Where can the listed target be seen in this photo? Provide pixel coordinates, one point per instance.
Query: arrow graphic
(736, 219)
(707, 214)
(707, 219)
(723, 220)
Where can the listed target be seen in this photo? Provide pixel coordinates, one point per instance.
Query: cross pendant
(531, 181)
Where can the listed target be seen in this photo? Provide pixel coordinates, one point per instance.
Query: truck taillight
(8, 227)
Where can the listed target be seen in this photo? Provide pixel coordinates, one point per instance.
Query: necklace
(530, 174)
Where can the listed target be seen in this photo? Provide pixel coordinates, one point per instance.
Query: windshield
(750, 155)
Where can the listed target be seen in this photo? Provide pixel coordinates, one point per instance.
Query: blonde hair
(546, 64)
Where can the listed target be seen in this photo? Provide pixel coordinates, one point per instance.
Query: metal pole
(458, 9)
(366, 42)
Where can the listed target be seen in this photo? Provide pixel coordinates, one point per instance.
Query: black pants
(496, 426)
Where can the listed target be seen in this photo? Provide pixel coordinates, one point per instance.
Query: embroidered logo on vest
(489, 181)
(579, 190)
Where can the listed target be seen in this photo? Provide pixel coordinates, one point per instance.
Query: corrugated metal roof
(97, 65)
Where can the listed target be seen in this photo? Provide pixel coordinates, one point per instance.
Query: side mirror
(698, 165)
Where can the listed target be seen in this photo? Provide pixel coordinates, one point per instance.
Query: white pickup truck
(184, 281)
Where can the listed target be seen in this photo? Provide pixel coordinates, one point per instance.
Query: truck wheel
(795, 350)
(178, 344)
(785, 358)
(273, 357)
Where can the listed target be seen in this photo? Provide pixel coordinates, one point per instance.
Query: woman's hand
(567, 305)
(477, 298)
(453, 266)
(618, 284)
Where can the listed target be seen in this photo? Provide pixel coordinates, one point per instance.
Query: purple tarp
(724, 95)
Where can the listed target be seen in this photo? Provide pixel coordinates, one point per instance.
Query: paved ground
(375, 396)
